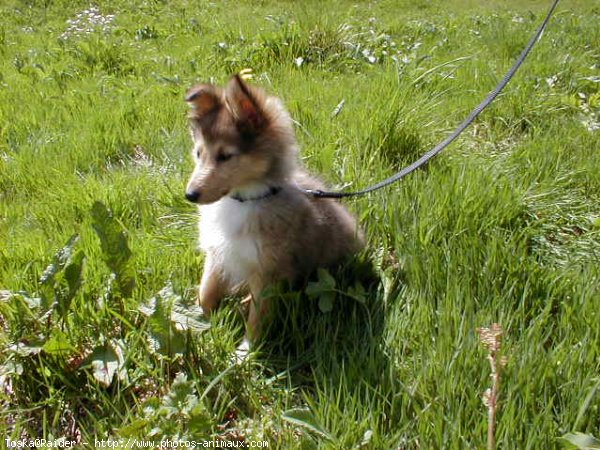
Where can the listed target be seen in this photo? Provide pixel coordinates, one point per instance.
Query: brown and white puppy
(256, 226)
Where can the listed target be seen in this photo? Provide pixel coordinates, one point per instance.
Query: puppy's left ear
(246, 105)
(204, 100)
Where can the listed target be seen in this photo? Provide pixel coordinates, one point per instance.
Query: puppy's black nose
(192, 196)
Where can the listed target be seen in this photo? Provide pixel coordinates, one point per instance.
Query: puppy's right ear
(204, 99)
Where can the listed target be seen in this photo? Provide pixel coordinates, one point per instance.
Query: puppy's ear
(246, 105)
(204, 99)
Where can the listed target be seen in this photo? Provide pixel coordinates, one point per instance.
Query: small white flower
(590, 124)
(87, 21)
(551, 81)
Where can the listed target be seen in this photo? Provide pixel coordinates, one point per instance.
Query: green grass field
(503, 227)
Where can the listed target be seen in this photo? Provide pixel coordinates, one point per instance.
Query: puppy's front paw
(243, 352)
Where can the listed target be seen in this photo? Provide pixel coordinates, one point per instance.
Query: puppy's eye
(222, 157)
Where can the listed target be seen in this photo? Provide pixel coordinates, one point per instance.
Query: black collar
(273, 190)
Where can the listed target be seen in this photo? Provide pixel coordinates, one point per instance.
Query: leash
(459, 129)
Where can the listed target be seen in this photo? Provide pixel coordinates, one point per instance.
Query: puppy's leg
(257, 312)
(258, 309)
(212, 286)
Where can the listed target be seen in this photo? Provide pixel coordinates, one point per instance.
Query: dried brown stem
(491, 338)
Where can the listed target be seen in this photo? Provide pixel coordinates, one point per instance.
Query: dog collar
(273, 190)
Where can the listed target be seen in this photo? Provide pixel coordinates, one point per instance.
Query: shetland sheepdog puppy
(256, 224)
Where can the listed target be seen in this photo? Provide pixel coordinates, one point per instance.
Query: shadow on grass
(339, 349)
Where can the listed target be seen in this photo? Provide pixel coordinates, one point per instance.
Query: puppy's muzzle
(193, 195)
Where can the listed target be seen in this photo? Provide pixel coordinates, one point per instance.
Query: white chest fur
(228, 233)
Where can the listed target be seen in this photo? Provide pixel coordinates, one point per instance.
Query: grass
(502, 227)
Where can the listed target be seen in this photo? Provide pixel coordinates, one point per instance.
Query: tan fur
(244, 144)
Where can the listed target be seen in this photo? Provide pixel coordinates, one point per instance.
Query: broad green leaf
(201, 422)
(325, 283)
(303, 418)
(169, 317)
(115, 249)
(112, 239)
(10, 368)
(181, 398)
(580, 441)
(73, 271)
(326, 279)
(58, 344)
(62, 278)
(273, 290)
(9, 371)
(184, 316)
(73, 276)
(104, 364)
(163, 338)
(49, 284)
(106, 361)
(357, 292)
(148, 308)
(326, 300)
(26, 349)
(60, 260)
(188, 317)
(133, 429)
(313, 289)
(31, 302)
